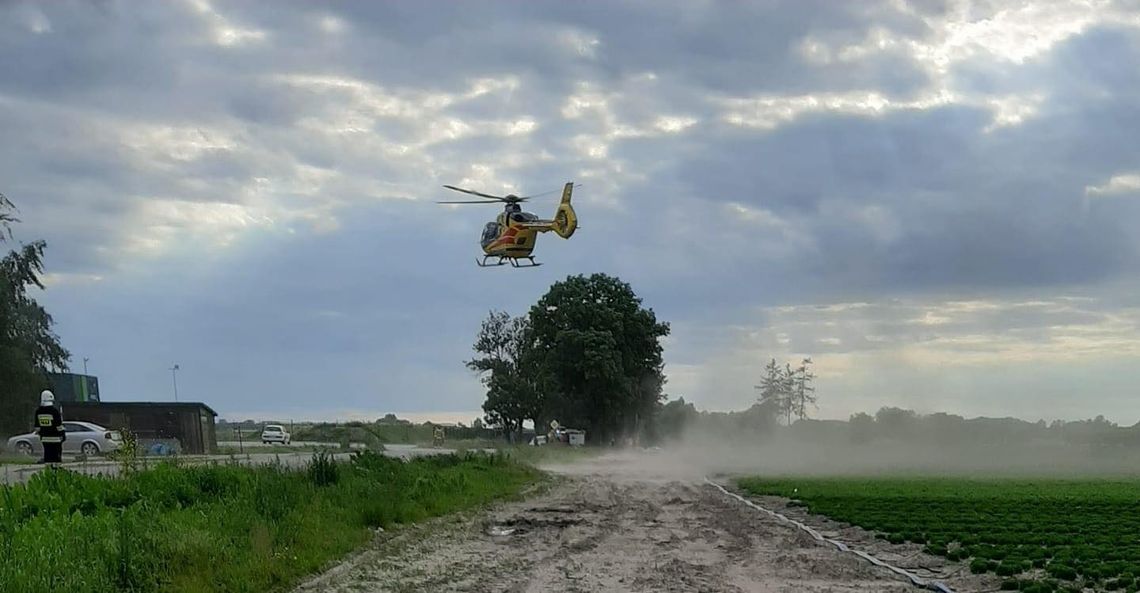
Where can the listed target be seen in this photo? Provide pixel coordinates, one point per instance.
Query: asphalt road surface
(15, 473)
(256, 444)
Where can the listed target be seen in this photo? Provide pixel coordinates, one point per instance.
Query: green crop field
(1041, 535)
(225, 528)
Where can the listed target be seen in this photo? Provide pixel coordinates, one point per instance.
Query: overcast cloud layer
(936, 200)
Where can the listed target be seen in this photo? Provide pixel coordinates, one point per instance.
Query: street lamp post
(174, 375)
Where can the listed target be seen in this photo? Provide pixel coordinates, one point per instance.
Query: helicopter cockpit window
(490, 231)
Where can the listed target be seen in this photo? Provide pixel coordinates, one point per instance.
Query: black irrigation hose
(919, 582)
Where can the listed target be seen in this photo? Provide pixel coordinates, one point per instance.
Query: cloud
(250, 190)
(1128, 183)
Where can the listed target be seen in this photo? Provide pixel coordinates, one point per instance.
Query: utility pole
(174, 374)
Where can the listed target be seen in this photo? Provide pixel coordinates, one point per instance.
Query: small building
(190, 424)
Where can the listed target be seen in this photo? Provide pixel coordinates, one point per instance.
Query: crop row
(1042, 535)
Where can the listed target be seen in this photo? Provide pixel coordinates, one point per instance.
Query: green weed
(323, 470)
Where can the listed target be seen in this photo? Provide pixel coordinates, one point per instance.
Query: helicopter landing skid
(514, 261)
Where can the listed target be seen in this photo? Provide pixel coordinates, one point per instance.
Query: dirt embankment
(620, 523)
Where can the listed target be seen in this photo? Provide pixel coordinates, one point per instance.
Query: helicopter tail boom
(565, 220)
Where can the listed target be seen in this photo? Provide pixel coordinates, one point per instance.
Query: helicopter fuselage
(503, 238)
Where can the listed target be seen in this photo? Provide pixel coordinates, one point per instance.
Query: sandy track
(609, 525)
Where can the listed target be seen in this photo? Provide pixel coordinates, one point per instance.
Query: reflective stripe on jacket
(49, 423)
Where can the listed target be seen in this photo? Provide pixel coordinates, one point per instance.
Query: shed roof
(105, 404)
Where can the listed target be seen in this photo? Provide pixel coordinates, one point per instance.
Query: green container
(70, 387)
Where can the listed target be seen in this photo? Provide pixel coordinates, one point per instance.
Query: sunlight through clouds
(177, 143)
(225, 32)
(931, 199)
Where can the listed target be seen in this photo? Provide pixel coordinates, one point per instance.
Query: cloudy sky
(935, 200)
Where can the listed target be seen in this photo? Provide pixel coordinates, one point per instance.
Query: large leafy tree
(597, 355)
(28, 347)
(503, 360)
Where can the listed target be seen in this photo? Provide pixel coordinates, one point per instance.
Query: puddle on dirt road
(526, 524)
(500, 530)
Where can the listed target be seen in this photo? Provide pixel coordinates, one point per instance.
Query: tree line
(899, 424)
(587, 354)
(29, 348)
(679, 419)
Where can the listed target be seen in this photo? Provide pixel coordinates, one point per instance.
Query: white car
(82, 437)
(275, 433)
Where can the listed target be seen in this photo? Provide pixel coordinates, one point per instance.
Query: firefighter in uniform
(49, 427)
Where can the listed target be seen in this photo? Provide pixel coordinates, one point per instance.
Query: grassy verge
(1039, 535)
(277, 449)
(225, 528)
(466, 444)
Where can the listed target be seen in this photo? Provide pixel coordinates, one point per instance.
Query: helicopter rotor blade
(473, 192)
(469, 202)
(546, 193)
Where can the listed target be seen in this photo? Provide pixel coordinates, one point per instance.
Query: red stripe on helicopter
(508, 237)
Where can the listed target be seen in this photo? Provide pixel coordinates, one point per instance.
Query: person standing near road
(49, 427)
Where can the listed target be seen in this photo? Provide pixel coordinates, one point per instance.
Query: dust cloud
(702, 452)
(643, 519)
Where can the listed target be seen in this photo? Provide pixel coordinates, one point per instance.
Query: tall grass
(224, 528)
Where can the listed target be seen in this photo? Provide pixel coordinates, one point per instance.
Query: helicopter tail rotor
(565, 219)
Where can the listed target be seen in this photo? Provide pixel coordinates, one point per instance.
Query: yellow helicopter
(513, 233)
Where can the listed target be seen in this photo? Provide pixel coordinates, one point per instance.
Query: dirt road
(619, 523)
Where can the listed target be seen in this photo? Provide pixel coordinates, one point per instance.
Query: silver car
(82, 437)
